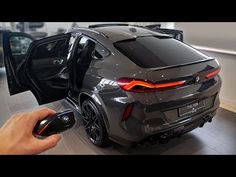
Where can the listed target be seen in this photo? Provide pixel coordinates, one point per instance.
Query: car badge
(197, 79)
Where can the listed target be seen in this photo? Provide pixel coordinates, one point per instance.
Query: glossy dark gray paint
(153, 110)
(113, 101)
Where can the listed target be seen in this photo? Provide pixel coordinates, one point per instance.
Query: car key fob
(54, 124)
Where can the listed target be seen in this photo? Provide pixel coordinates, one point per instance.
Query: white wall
(218, 36)
(228, 75)
(51, 27)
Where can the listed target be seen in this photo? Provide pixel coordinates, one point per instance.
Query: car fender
(99, 103)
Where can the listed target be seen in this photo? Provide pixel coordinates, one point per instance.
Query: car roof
(120, 33)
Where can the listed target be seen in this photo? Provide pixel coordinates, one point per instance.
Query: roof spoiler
(108, 24)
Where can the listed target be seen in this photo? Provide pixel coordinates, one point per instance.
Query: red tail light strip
(133, 83)
(212, 74)
(127, 112)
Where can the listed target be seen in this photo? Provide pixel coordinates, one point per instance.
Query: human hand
(16, 135)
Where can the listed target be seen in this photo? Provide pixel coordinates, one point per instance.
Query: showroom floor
(218, 137)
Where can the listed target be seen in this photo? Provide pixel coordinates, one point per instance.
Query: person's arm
(16, 134)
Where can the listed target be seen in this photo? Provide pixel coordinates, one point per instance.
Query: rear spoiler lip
(175, 66)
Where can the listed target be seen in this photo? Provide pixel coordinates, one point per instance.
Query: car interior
(80, 62)
(50, 65)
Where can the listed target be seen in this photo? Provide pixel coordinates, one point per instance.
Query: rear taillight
(212, 74)
(127, 112)
(144, 86)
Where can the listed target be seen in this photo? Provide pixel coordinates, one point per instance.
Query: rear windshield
(152, 52)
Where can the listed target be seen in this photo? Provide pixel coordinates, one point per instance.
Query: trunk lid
(197, 90)
(187, 72)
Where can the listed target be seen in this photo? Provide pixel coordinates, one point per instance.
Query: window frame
(55, 40)
(97, 43)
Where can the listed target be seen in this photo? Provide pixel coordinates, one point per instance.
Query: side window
(100, 51)
(53, 49)
(82, 42)
(19, 45)
(70, 47)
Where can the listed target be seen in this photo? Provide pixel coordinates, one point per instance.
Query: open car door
(37, 65)
(15, 46)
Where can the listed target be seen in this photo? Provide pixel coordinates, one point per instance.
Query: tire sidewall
(103, 141)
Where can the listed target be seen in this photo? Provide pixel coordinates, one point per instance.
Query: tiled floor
(218, 137)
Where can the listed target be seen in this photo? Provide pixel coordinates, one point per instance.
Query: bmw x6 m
(130, 84)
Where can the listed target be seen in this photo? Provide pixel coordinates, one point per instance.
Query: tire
(94, 124)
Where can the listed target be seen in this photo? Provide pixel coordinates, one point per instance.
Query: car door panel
(49, 67)
(13, 57)
(43, 69)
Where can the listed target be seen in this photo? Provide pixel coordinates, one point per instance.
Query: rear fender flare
(98, 102)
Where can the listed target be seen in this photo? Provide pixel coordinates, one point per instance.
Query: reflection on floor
(218, 137)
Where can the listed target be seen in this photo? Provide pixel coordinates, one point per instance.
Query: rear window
(152, 52)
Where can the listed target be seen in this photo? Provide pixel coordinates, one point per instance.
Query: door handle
(58, 61)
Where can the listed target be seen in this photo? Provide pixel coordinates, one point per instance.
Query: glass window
(71, 43)
(82, 42)
(51, 50)
(151, 52)
(19, 45)
(100, 51)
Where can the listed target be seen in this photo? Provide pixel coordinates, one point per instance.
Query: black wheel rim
(91, 122)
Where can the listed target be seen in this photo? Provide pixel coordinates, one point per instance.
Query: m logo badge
(197, 79)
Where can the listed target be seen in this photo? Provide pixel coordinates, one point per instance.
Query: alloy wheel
(91, 122)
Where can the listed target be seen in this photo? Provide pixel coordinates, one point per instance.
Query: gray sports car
(130, 84)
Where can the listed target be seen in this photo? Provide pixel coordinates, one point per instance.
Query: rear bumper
(168, 133)
(180, 129)
(140, 128)
(157, 114)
